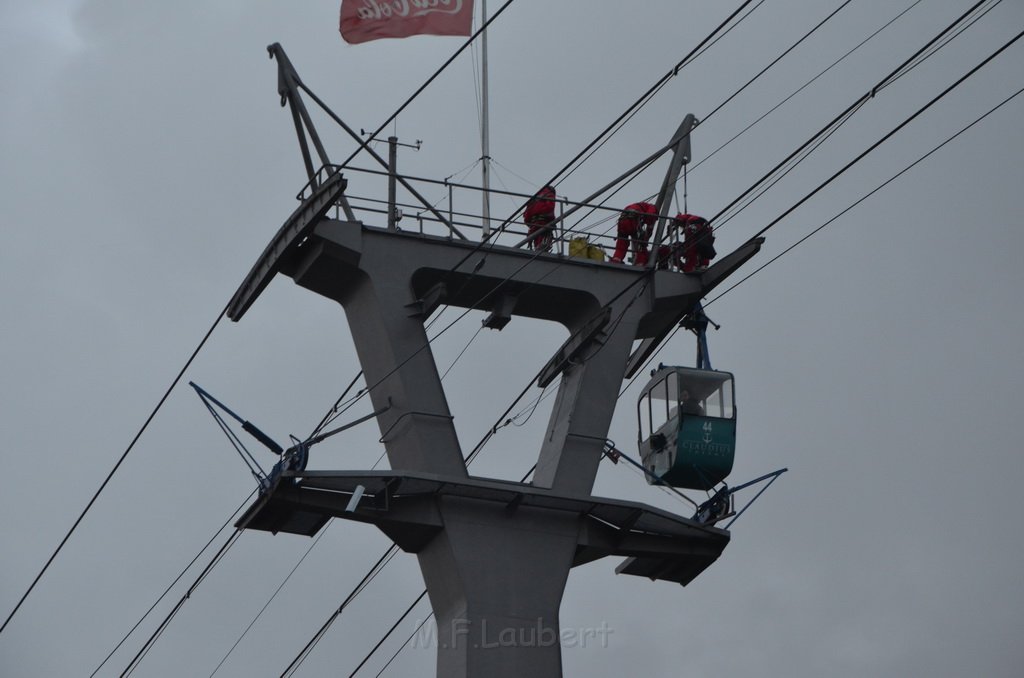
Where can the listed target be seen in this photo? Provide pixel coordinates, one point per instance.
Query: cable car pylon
(495, 555)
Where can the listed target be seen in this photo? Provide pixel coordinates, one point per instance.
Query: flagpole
(485, 132)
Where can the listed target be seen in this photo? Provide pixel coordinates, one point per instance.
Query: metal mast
(485, 131)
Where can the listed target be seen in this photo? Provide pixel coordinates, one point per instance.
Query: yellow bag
(581, 247)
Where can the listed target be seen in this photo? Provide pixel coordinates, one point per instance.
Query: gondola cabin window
(719, 403)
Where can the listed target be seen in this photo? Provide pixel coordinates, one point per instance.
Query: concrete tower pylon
(495, 555)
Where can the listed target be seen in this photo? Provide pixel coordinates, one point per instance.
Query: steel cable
(117, 465)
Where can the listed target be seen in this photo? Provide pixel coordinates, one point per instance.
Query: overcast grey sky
(145, 164)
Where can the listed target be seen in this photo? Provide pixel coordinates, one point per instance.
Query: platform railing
(597, 225)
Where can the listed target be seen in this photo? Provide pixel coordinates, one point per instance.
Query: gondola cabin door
(687, 427)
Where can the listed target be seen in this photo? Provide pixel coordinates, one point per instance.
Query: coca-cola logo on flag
(364, 20)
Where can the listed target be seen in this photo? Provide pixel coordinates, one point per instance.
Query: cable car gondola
(687, 427)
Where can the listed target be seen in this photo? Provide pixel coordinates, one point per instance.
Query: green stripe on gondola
(705, 450)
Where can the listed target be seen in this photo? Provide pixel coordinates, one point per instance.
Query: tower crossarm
(657, 544)
(389, 282)
(284, 243)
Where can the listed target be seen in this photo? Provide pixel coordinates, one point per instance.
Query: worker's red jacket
(636, 221)
(540, 210)
(694, 227)
(698, 236)
(645, 211)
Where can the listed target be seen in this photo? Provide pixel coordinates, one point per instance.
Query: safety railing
(592, 225)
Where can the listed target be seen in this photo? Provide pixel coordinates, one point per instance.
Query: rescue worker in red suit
(634, 225)
(698, 242)
(540, 212)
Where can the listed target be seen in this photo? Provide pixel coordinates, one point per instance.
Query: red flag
(365, 20)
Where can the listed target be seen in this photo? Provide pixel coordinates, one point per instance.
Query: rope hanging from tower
(697, 322)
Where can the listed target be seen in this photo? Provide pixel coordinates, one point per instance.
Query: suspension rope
(402, 646)
(782, 172)
(946, 40)
(800, 151)
(172, 584)
(334, 408)
(840, 120)
(645, 97)
(463, 351)
(856, 104)
(721, 221)
(834, 218)
(117, 465)
(648, 96)
(867, 195)
(367, 578)
(775, 61)
(151, 641)
(896, 129)
(388, 634)
(270, 600)
(804, 86)
(517, 419)
(779, 58)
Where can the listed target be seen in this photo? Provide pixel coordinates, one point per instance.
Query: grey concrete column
(495, 577)
(582, 413)
(394, 352)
